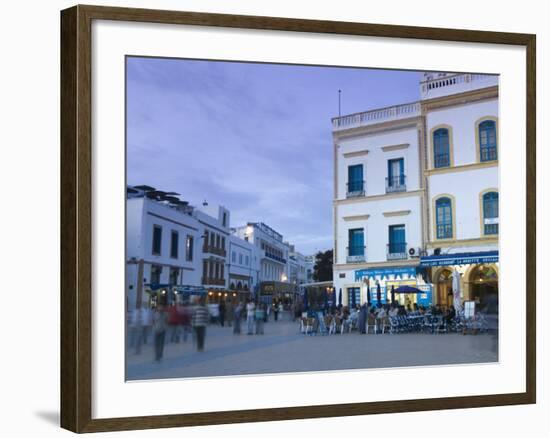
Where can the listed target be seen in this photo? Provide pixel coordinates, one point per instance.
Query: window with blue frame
(490, 213)
(355, 179)
(397, 243)
(356, 242)
(442, 155)
(157, 239)
(354, 296)
(488, 140)
(396, 173)
(444, 218)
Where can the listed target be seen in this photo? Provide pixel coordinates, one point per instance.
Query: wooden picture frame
(76, 217)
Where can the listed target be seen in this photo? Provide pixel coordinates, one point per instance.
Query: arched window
(442, 155)
(490, 213)
(488, 140)
(444, 218)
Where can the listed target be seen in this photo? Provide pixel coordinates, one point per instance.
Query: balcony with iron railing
(355, 189)
(356, 254)
(213, 281)
(396, 251)
(488, 154)
(395, 184)
(444, 231)
(442, 160)
(211, 249)
(275, 257)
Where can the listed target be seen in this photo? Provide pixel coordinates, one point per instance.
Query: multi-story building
(296, 267)
(273, 258)
(309, 267)
(413, 182)
(462, 184)
(243, 267)
(214, 223)
(161, 247)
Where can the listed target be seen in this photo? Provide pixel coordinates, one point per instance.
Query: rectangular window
(356, 242)
(156, 271)
(355, 180)
(233, 256)
(157, 239)
(397, 243)
(212, 240)
(396, 173)
(174, 276)
(247, 261)
(218, 244)
(205, 268)
(222, 268)
(174, 244)
(240, 259)
(189, 248)
(224, 220)
(223, 242)
(354, 296)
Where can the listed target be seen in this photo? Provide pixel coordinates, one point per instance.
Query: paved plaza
(284, 349)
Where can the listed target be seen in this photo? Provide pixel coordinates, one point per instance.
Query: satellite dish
(204, 203)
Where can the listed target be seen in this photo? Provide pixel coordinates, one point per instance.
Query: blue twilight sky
(255, 138)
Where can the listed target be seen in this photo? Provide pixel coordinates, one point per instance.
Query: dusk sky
(255, 138)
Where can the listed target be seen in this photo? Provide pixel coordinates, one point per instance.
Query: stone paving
(283, 349)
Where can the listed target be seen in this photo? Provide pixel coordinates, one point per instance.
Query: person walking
(229, 313)
(362, 321)
(250, 308)
(238, 314)
(222, 309)
(275, 311)
(160, 321)
(259, 316)
(199, 323)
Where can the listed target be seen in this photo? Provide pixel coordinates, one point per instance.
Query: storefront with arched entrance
(477, 280)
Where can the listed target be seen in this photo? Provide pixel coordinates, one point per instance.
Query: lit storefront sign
(460, 259)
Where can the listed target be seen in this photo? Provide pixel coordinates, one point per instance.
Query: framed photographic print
(342, 214)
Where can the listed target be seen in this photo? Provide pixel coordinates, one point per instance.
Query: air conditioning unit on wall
(414, 252)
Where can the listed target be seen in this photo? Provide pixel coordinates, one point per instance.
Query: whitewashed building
(462, 181)
(243, 266)
(214, 223)
(273, 279)
(162, 248)
(413, 182)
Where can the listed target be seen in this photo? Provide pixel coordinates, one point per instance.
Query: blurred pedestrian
(222, 311)
(173, 323)
(250, 308)
(229, 313)
(137, 328)
(259, 316)
(275, 311)
(238, 313)
(362, 320)
(199, 323)
(160, 321)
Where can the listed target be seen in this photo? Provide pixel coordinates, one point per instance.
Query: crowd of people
(181, 321)
(361, 317)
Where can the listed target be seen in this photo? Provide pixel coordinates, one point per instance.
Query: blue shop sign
(385, 273)
(460, 259)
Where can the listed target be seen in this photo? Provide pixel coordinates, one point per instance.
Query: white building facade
(162, 249)
(243, 267)
(462, 179)
(273, 280)
(414, 182)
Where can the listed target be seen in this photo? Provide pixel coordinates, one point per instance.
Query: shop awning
(465, 258)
